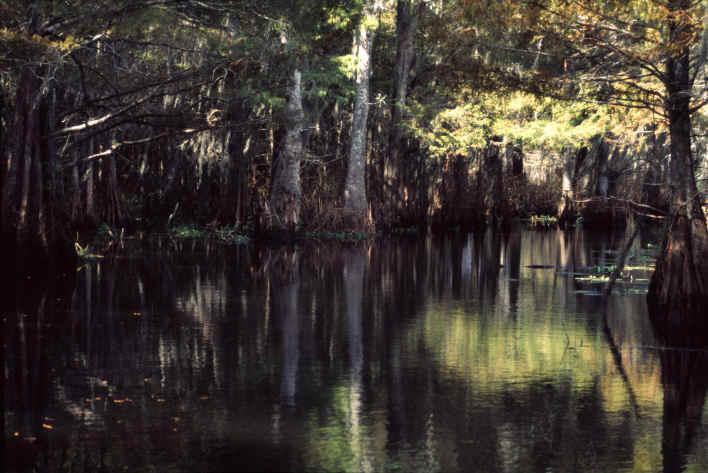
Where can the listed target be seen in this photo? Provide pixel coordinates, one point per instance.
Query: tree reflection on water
(450, 353)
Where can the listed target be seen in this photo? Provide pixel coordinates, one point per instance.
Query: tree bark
(679, 285)
(286, 191)
(90, 188)
(406, 26)
(491, 184)
(601, 180)
(567, 211)
(23, 215)
(114, 211)
(355, 187)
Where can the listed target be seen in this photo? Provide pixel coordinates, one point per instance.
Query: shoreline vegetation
(619, 273)
(325, 120)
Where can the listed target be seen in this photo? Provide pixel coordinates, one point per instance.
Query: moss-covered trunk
(679, 286)
(355, 199)
(286, 192)
(680, 282)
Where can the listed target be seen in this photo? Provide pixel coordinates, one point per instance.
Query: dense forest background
(312, 115)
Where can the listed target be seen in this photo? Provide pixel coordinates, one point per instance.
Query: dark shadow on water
(38, 298)
(440, 354)
(684, 377)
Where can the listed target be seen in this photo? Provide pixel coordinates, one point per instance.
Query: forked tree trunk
(679, 285)
(286, 191)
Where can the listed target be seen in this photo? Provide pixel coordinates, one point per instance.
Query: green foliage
(187, 231)
(522, 118)
(84, 252)
(230, 234)
(337, 236)
(543, 221)
(148, 78)
(405, 231)
(329, 80)
(547, 123)
(104, 232)
(445, 130)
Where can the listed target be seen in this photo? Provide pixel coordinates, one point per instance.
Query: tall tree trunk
(567, 211)
(23, 216)
(679, 285)
(75, 188)
(354, 271)
(90, 186)
(490, 181)
(114, 211)
(355, 187)
(3, 161)
(286, 191)
(406, 25)
(602, 179)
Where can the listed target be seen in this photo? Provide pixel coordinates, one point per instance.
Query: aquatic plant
(543, 220)
(84, 252)
(186, 231)
(405, 231)
(230, 234)
(337, 236)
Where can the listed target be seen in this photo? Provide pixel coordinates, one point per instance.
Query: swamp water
(489, 353)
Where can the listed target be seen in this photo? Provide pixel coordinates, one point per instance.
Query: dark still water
(458, 353)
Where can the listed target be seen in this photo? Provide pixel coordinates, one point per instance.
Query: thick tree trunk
(514, 161)
(601, 177)
(491, 181)
(355, 186)
(406, 26)
(679, 287)
(567, 211)
(286, 192)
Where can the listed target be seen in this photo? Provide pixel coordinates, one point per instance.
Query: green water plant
(186, 231)
(405, 231)
(230, 234)
(337, 236)
(543, 221)
(84, 252)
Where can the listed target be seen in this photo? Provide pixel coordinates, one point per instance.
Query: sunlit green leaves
(449, 130)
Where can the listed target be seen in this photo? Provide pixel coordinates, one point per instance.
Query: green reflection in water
(440, 354)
